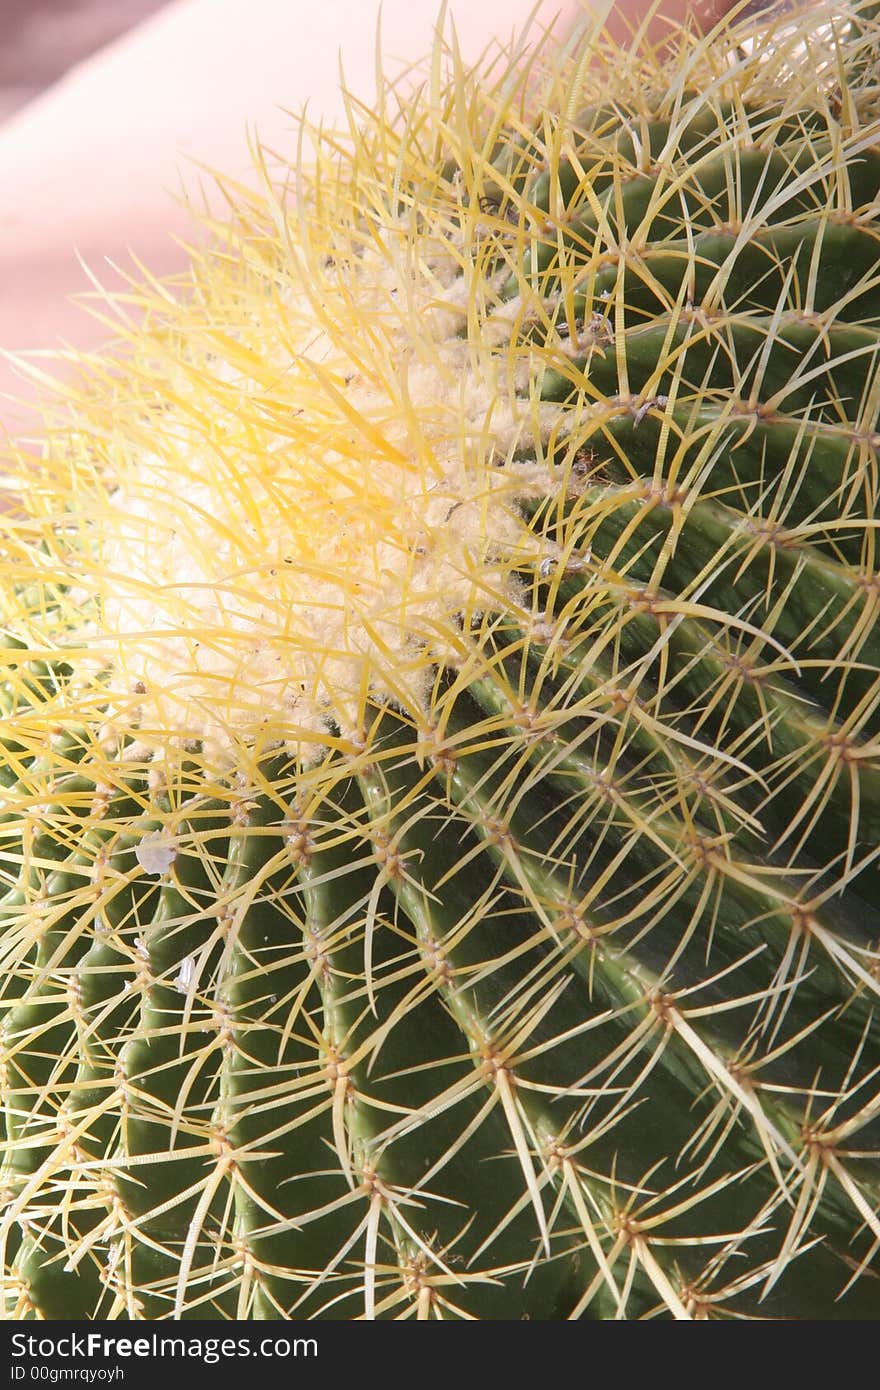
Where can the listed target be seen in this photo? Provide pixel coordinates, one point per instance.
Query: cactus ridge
(447, 886)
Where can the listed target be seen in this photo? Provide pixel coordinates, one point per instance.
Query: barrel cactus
(441, 777)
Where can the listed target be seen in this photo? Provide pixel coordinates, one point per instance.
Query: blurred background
(41, 39)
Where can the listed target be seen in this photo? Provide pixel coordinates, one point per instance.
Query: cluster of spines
(552, 690)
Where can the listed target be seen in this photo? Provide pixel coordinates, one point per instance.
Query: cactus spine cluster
(441, 781)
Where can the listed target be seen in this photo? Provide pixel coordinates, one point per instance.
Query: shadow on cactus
(441, 809)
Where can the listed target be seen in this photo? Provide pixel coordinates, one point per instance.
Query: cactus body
(441, 786)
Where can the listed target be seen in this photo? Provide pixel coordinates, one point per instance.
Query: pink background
(41, 39)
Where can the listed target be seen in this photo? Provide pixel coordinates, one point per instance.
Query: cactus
(441, 793)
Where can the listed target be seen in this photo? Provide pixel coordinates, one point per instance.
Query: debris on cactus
(441, 721)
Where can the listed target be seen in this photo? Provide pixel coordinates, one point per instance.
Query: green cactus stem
(440, 826)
